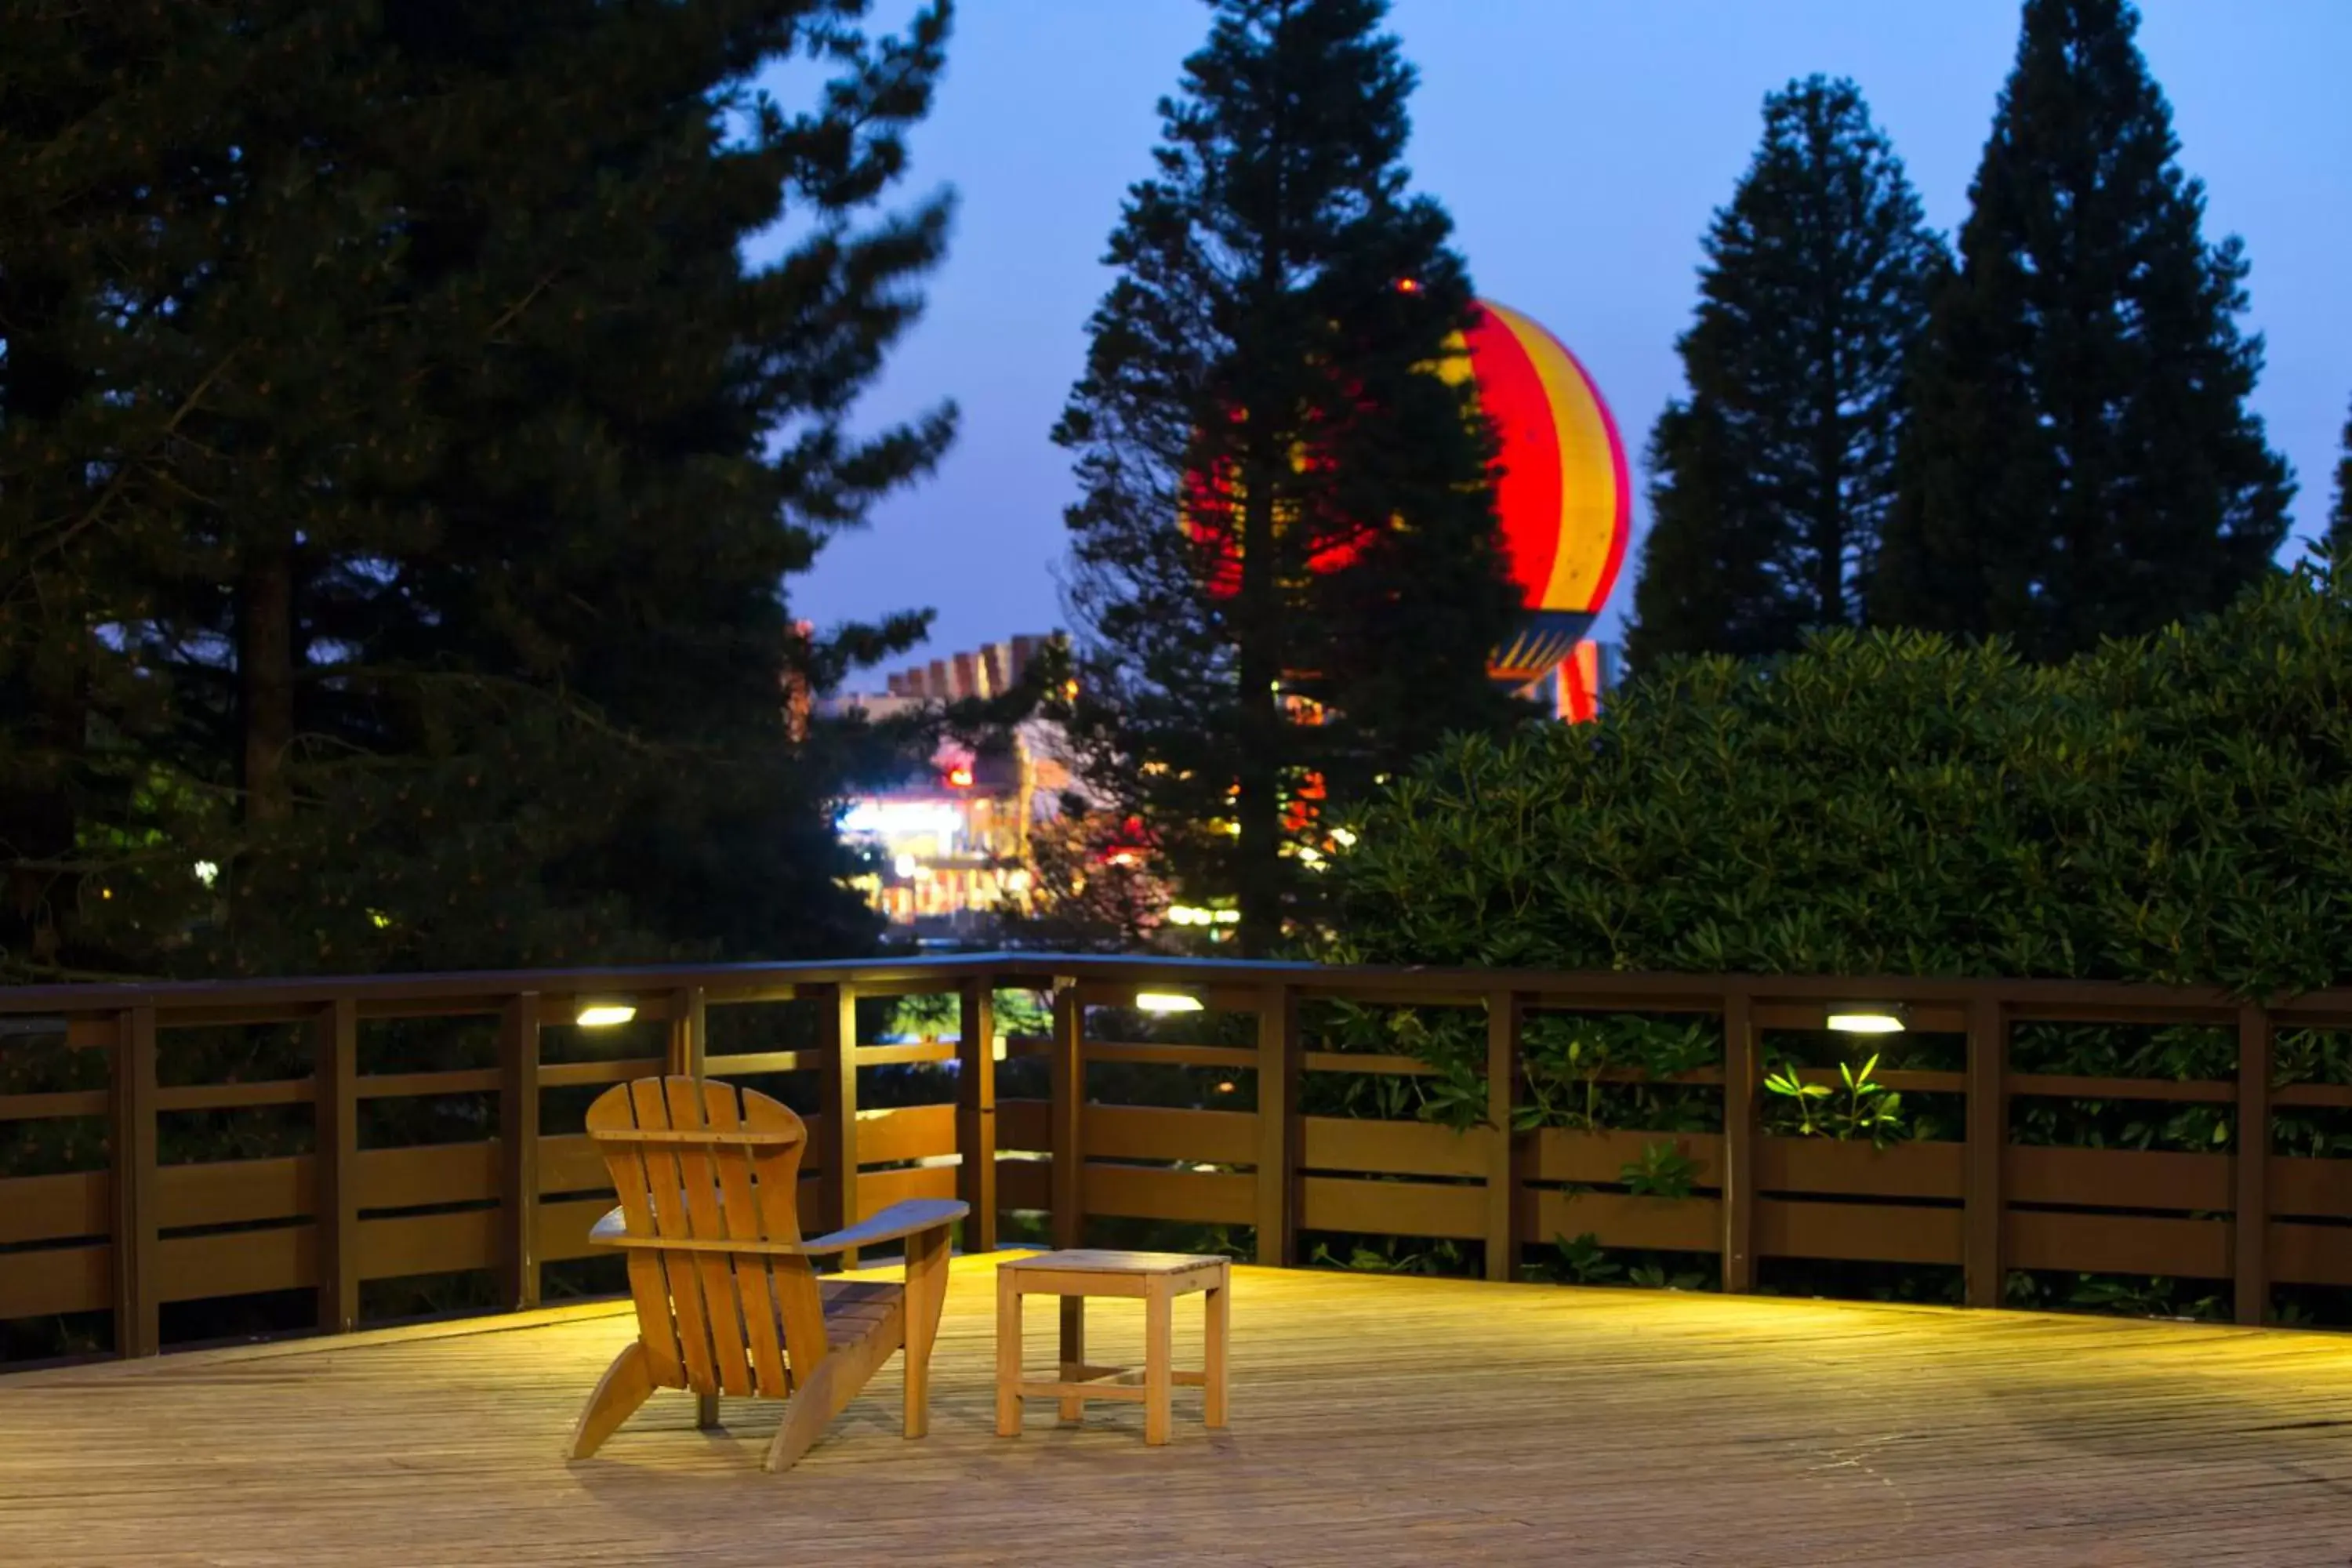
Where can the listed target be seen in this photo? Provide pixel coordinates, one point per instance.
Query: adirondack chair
(708, 1175)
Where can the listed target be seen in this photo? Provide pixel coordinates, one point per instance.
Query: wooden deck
(1375, 1421)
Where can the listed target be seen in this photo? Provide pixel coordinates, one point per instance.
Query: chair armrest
(901, 1219)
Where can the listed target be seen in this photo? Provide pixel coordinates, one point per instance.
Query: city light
(959, 777)
(206, 872)
(1194, 915)
(904, 865)
(603, 1014)
(1866, 1018)
(901, 818)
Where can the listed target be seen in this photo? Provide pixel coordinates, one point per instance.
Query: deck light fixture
(1866, 1018)
(1166, 1002)
(603, 1013)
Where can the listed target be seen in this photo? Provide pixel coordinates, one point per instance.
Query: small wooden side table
(1156, 1278)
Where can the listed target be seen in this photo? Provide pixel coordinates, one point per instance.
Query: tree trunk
(1258, 812)
(44, 695)
(266, 680)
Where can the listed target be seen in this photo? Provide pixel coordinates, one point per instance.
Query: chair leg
(627, 1384)
(827, 1393)
(927, 1289)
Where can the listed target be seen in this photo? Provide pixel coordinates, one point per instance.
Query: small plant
(1392, 1256)
(926, 1017)
(2158, 1298)
(1587, 1262)
(1662, 1171)
(1862, 1108)
(1653, 1277)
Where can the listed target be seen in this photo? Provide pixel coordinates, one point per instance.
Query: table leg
(1074, 1353)
(1158, 1308)
(1008, 1355)
(1217, 1324)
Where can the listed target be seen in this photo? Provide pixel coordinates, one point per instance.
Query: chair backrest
(700, 1161)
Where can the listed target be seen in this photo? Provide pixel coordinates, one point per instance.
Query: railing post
(837, 1103)
(1984, 1276)
(1740, 1134)
(1066, 1114)
(335, 1038)
(976, 1112)
(2251, 1228)
(1503, 1011)
(1278, 1127)
(138, 1289)
(518, 1149)
(689, 1033)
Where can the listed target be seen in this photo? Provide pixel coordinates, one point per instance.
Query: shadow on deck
(1375, 1421)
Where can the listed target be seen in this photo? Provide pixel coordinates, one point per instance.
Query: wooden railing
(127, 1236)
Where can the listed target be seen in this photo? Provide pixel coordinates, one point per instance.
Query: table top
(1099, 1260)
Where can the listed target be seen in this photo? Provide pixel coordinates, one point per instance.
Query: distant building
(951, 843)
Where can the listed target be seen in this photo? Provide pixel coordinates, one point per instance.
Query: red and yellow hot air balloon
(1565, 501)
(1564, 504)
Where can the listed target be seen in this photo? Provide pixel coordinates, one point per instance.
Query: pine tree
(2339, 521)
(1286, 506)
(1770, 480)
(2082, 462)
(439, 465)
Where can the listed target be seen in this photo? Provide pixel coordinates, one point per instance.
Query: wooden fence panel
(124, 1238)
(1857, 1169)
(55, 1208)
(2119, 1244)
(1601, 1158)
(1392, 1208)
(1342, 1143)
(1875, 1233)
(1621, 1219)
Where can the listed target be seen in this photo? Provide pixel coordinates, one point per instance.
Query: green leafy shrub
(2173, 808)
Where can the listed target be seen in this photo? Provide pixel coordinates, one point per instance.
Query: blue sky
(1581, 146)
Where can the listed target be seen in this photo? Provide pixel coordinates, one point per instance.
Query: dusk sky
(1581, 146)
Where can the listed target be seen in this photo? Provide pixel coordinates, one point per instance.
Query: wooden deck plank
(1374, 1421)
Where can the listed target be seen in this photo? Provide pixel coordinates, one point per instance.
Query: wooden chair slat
(648, 1286)
(762, 1331)
(702, 1137)
(778, 1189)
(698, 1170)
(651, 1098)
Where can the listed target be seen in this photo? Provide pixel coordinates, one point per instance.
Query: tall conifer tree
(1770, 480)
(1272, 368)
(2340, 520)
(2082, 461)
(435, 465)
